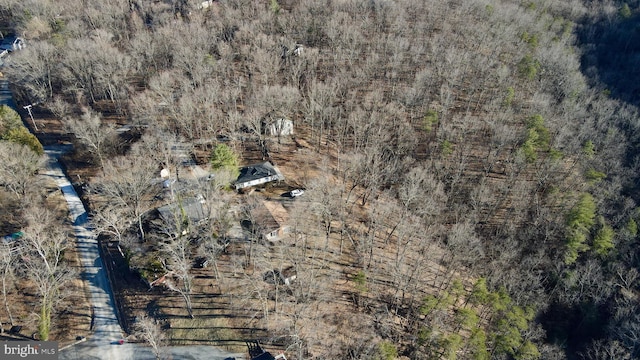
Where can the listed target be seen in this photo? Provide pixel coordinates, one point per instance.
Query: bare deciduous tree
(18, 165)
(130, 183)
(113, 219)
(93, 133)
(175, 246)
(35, 70)
(44, 264)
(95, 68)
(213, 233)
(149, 330)
(7, 274)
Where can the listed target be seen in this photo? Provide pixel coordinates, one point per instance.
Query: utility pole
(28, 107)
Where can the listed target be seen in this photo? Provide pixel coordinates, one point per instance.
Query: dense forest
(470, 167)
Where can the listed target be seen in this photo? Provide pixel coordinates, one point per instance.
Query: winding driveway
(107, 330)
(103, 344)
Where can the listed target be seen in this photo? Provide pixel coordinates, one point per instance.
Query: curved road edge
(106, 328)
(104, 343)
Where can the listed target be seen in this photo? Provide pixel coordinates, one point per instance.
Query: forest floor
(216, 320)
(74, 310)
(234, 306)
(74, 317)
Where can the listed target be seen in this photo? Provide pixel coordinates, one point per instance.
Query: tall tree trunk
(140, 228)
(44, 326)
(187, 300)
(6, 302)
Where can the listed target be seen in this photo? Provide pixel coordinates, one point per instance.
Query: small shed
(281, 127)
(285, 276)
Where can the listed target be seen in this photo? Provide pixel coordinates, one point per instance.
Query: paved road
(106, 328)
(103, 344)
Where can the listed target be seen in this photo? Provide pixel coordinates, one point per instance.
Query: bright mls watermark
(33, 350)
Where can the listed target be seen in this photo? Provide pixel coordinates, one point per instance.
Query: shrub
(387, 350)
(490, 9)
(429, 303)
(467, 318)
(429, 120)
(595, 176)
(9, 119)
(274, 6)
(528, 351)
(555, 154)
(632, 227)
(478, 345)
(509, 326)
(582, 216)
(536, 122)
(588, 149)
(531, 39)
(20, 135)
(538, 139)
(361, 281)
(480, 293)
(580, 220)
(450, 345)
(529, 146)
(625, 11)
(447, 148)
(508, 99)
(528, 67)
(603, 241)
(223, 157)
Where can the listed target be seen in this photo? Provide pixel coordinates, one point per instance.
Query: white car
(296, 192)
(12, 43)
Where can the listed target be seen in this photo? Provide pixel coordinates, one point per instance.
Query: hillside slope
(469, 166)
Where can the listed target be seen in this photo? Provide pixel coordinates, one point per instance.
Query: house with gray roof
(189, 209)
(257, 174)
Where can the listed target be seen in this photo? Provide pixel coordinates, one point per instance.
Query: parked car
(201, 263)
(296, 192)
(12, 43)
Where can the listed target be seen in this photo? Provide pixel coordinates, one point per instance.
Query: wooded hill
(470, 166)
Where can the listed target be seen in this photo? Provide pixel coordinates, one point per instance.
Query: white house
(257, 174)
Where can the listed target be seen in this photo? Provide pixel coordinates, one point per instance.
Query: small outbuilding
(281, 127)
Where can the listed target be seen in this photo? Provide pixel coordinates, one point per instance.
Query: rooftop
(258, 171)
(265, 219)
(191, 207)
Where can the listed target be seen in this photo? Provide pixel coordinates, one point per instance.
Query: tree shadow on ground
(611, 54)
(573, 327)
(610, 61)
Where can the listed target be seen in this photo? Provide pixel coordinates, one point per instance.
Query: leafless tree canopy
(470, 167)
